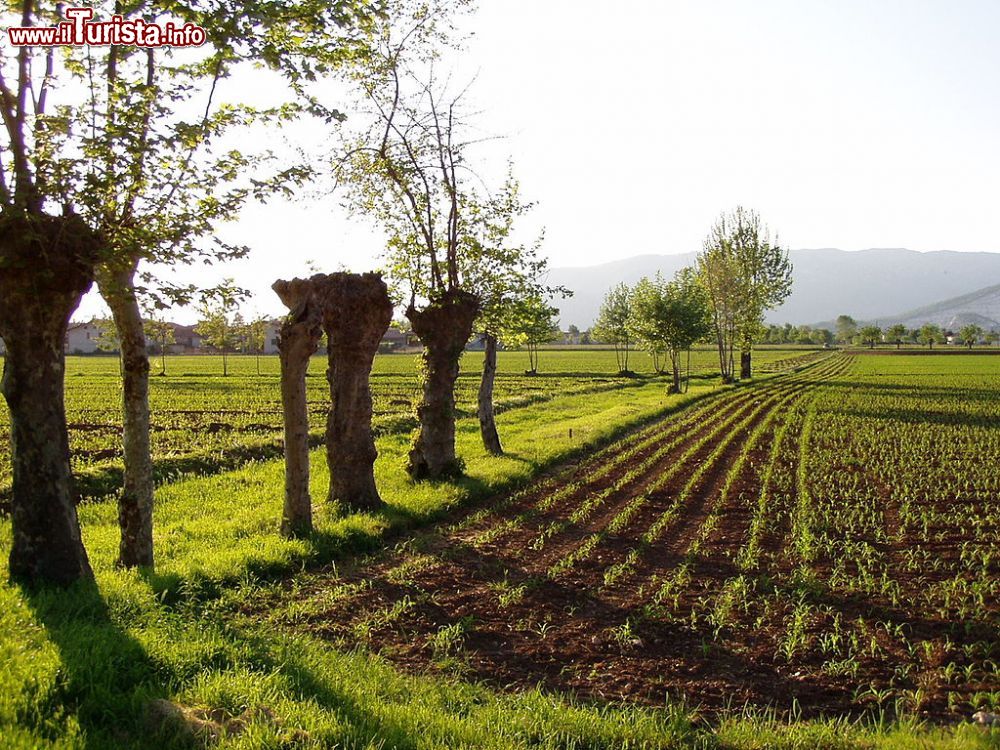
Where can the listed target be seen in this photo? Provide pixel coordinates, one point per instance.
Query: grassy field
(202, 421)
(713, 537)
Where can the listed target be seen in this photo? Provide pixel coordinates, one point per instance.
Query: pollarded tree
(612, 324)
(970, 334)
(410, 171)
(896, 334)
(871, 335)
(745, 273)
(115, 135)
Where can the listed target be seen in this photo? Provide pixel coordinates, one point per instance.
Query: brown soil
(489, 606)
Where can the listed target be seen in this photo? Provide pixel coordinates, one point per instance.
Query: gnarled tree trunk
(356, 314)
(46, 265)
(487, 416)
(444, 327)
(135, 507)
(298, 340)
(745, 364)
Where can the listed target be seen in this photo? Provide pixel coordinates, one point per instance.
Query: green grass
(203, 422)
(79, 667)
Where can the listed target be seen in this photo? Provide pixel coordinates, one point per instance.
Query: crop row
(572, 571)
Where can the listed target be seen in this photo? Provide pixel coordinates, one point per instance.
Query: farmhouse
(186, 340)
(82, 338)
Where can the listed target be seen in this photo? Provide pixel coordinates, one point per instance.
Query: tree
(115, 136)
(823, 337)
(970, 334)
(847, 327)
(670, 317)
(533, 321)
(107, 335)
(612, 324)
(504, 274)
(871, 335)
(745, 272)
(409, 169)
(217, 325)
(253, 337)
(896, 334)
(930, 334)
(804, 335)
(161, 333)
(992, 337)
(647, 318)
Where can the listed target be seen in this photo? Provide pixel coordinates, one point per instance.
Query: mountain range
(887, 285)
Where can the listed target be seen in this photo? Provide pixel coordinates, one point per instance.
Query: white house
(82, 338)
(271, 329)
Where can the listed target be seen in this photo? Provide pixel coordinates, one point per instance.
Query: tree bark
(675, 367)
(46, 265)
(356, 314)
(444, 327)
(135, 506)
(298, 340)
(487, 415)
(745, 364)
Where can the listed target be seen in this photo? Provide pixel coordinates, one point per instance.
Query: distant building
(271, 331)
(186, 340)
(82, 338)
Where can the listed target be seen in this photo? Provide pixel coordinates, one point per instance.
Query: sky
(845, 123)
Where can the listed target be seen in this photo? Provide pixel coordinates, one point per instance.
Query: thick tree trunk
(444, 327)
(357, 312)
(745, 364)
(298, 340)
(46, 264)
(135, 506)
(487, 415)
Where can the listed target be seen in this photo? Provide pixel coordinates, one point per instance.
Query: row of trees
(219, 329)
(109, 168)
(928, 335)
(804, 335)
(741, 273)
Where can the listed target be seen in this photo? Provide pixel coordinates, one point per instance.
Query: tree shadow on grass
(364, 726)
(106, 679)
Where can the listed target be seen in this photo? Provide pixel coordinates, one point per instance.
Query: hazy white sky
(846, 123)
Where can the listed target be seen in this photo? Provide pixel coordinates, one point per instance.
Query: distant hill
(981, 308)
(866, 284)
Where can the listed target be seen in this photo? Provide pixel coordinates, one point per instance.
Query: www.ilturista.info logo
(79, 30)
